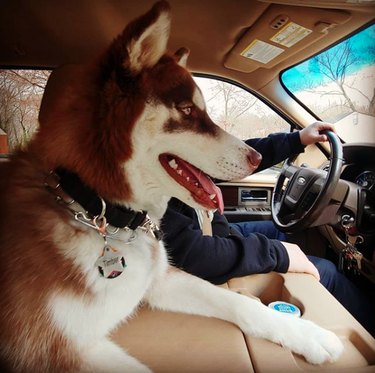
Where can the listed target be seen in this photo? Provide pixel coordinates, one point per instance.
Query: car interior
(251, 44)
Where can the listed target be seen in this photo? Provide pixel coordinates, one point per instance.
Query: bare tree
(231, 103)
(238, 111)
(20, 95)
(335, 65)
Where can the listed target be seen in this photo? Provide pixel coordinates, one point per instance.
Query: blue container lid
(285, 307)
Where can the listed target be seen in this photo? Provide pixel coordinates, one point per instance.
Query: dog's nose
(254, 158)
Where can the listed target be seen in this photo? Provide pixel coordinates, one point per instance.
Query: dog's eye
(185, 108)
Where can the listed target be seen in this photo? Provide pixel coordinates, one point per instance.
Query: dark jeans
(351, 297)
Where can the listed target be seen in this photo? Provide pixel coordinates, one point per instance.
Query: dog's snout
(254, 158)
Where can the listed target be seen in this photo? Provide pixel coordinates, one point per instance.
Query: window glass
(238, 111)
(338, 85)
(241, 113)
(231, 107)
(21, 92)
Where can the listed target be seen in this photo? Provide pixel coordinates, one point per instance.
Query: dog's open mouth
(201, 187)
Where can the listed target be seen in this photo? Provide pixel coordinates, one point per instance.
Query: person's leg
(352, 298)
(266, 227)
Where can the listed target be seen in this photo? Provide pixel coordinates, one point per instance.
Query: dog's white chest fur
(84, 319)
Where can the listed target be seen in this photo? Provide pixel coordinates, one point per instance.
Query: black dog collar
(117, 216)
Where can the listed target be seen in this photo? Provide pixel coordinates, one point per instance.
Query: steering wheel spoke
(290, 170)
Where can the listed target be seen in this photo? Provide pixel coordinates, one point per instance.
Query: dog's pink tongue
(208, 186)
(200, 186)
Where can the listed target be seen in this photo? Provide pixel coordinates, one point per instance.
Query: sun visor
(280, 32)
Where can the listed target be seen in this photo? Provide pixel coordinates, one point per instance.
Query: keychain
(350, 258)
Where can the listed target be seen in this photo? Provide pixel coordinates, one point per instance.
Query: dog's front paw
(316, 344)
(325, 346)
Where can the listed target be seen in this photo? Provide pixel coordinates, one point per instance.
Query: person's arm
(218, 259)
(277, 147)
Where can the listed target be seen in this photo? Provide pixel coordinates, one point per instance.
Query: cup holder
(303, 292)
(270, 289)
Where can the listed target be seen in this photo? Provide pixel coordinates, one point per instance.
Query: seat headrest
(61, 89)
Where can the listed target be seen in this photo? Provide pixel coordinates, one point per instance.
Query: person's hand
(311, 135)
(298, 261)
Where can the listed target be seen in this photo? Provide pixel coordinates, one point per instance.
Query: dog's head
(133, 125)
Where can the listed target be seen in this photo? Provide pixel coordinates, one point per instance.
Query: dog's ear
(146, 49)
(143, 42)
(181, 56)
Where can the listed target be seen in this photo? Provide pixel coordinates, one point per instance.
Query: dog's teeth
(212, 196)
(173, 164)
(188, 178)
(179, 172)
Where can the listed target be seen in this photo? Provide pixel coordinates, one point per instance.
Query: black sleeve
(276, 147)
(217, 258)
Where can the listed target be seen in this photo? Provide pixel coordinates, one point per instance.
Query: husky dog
(80, 246)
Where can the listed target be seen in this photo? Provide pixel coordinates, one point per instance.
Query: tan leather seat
(171, 342)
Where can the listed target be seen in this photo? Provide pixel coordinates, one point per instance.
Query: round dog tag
(111, 264)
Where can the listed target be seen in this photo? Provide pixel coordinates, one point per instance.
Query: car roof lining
(45, 34)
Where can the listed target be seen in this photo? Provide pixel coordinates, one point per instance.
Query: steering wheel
(302, 193)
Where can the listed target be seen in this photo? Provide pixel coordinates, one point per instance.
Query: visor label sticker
(261, 51)
(291, 34)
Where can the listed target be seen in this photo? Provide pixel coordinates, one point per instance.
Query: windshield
(338, 85)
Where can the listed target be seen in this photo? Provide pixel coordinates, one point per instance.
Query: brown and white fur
(108, 121)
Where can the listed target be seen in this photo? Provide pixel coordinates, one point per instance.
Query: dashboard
(359, 162)
(252, 201)
(359, 174)
(366, 179)
(249, 199)
(359, 169)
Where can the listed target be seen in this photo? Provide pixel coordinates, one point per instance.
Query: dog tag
(111, 264)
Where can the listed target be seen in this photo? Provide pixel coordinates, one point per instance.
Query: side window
(238, 111)
(234, 109)
(21, 92)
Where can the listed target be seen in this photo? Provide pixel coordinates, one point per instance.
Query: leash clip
(100, 222)
(151, 228)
